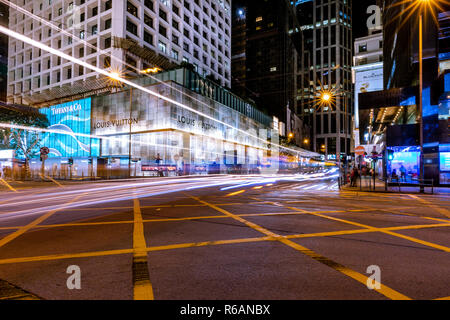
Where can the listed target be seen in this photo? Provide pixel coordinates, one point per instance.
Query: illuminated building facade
(130, 132)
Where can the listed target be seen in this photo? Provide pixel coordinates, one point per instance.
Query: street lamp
(421, 168)
(115, 77)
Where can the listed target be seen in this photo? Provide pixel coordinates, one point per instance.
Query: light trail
(99, 195)
(113, 139)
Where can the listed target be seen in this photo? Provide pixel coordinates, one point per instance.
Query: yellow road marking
(445, 298)
(8, 185)
(202, 244)
(398, 235)
(9, 291)
(441, 210)
(34, 223)
(142, 288)
(384, 290)
(235, 193)
(66, 256)
(51, 179)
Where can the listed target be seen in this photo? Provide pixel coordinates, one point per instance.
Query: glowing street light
(326, 97)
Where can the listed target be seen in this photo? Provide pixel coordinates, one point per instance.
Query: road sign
(44, 157)
(360, 151)
(45, 151)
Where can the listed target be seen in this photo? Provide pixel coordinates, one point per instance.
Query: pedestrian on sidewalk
(354, 177)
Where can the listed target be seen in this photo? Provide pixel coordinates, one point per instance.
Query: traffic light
(70, 161)
(390, 155)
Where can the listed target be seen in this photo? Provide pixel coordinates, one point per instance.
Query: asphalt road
(224, 237)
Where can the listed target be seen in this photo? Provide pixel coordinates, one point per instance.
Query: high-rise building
(327, 30)
(266, 45)
(368, 77)
(142, 33)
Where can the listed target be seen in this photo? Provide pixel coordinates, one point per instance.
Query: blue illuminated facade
(73, 118)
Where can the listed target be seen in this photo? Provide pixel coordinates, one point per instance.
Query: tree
(24, 142)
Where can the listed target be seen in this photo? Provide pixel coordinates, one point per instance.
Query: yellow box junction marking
(384, 290)
(34, 223)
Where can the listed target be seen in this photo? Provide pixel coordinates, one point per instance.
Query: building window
(176, 10)
(149, 4)
(363, 48)
(163, 14)
(162, 47)
(175, 39)
(162, 31)
(148, 20)
(131, 27)
(108, 24)
(107, 43)
(175, 24)
(108, 5)
(94, 30)
(175, 54)
(94, 11)
(132, 9)
(148, 37)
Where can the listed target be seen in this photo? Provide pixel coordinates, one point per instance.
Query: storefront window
(405, 164)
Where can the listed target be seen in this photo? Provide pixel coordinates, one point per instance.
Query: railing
(421, 183)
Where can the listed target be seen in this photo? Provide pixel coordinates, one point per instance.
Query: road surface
(222, 237)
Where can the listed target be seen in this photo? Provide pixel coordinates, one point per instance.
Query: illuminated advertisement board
(445, 161)
(72, 118)
(368, 78)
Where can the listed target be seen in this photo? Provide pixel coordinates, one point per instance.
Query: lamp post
(421, 161)
(327, 98)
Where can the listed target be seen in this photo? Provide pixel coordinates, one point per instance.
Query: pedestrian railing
(415, 183)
